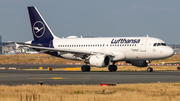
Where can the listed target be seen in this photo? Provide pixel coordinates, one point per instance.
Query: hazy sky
(115, 18)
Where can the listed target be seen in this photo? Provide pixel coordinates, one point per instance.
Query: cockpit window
(163, 44)
(159, 44)
(154, 44)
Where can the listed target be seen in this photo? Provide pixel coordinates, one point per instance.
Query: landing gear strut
(112, 68)
(85, 68)
(149, 69)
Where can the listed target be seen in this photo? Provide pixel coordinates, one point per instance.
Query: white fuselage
(123, 48)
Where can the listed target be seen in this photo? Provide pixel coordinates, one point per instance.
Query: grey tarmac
(19, 77)
(36, 66)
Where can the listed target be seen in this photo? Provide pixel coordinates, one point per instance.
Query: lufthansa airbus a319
(99, 51)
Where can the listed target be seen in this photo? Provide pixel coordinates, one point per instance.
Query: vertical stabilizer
(40, 29)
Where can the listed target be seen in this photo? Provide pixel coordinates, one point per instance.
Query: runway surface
(36, 66)
(19, 77)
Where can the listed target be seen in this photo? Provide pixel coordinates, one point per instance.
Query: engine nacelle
(99, 60)
(138, 63)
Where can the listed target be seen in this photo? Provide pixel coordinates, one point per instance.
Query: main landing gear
(112, 68)
(85, 68)
(149, 69)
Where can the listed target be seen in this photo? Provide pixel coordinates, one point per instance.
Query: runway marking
(56, 78)
(72, 69)
(3, 75)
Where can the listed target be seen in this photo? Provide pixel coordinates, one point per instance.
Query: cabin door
(143, 45)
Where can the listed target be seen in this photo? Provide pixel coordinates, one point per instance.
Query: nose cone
(169, 52)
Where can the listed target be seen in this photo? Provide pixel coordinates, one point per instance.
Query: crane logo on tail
(38, 29)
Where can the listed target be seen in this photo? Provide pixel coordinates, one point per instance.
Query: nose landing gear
(149, 69)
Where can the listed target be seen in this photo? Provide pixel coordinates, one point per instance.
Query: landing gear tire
(149, 69)
(112, 68)
(85, 68)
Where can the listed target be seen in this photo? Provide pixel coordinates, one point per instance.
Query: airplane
(30, 51)
(98, 51)
(16, 51)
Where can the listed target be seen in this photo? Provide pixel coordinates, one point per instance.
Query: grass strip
(123, 92)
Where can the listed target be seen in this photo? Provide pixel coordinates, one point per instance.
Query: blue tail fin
(40, 29)
(14, 50)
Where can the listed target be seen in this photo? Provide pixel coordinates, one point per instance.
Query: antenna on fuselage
(147, 35)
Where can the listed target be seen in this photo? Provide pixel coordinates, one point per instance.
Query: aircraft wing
(40, 48)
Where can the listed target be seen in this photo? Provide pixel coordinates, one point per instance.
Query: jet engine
(99, 60)
(138, 63)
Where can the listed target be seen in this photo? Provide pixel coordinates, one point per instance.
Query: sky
(101, 18)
